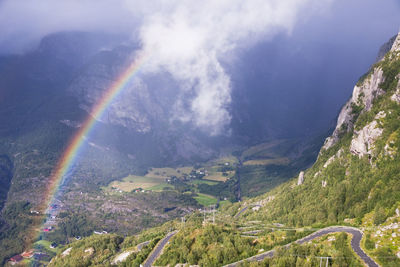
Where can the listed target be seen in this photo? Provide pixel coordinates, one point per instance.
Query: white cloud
(188, 39)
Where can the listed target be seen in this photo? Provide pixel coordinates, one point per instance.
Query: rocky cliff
(364, 93)
(357, 170)
(356, 176)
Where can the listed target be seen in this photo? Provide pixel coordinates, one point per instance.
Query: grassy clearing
(198, 181)
(132, 182)
(218, 177)
(214, 174)
(161, 187)
(46, 245)
(205, 200)
(276, 161)
(154, 180)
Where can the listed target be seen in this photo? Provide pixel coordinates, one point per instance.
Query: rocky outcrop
(396, 96)
(133, 108)
(363, 96)
(329, 161)
(300, 180)
(389, 149)
(363, 141)
(396, 44)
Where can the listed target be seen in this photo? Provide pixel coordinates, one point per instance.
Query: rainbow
(70, 154)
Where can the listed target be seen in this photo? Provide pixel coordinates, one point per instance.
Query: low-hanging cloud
(189, 38)
(185, 38)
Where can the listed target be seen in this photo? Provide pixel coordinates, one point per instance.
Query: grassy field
(46, 244)
(198, 181)
(161, 187)
(154, 180)
(132, 182)
(205, 200)
(276, 161)
(217, 176)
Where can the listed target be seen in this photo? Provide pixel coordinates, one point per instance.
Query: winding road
(240, 212)
(355, 245)
(158, 249)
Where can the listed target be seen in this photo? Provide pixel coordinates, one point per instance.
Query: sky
(197, 41)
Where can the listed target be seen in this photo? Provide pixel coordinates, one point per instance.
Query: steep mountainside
(358, 166)
(356, 176)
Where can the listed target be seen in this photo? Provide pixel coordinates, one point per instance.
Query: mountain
(354, 182)
(46, 95)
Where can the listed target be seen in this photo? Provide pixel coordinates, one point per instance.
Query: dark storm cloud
(189, 38)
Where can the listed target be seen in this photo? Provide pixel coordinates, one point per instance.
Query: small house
(15, 259)
(27, 254)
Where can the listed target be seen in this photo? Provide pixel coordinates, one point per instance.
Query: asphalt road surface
(158, 249)
(355, 245)
(240, 212)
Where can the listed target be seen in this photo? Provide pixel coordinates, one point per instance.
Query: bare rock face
(133, 108)
(329, 161)
(396, 96)
(389, 150)
(368, 90)
(363, 141)
(363, 95)
(396, 44)
(300, 180)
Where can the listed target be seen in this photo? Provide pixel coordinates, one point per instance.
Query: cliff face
(364, 93)
(357, 170)
(135, 108)
(143, 110)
